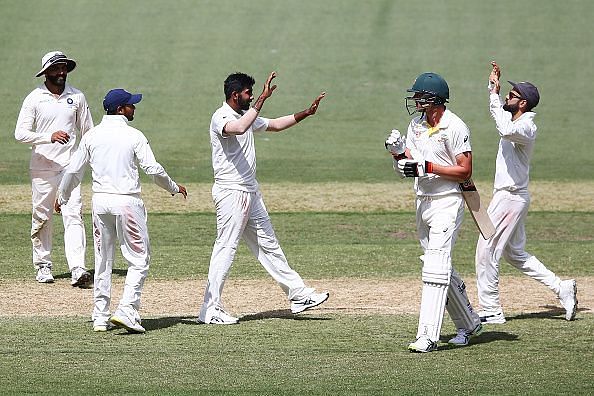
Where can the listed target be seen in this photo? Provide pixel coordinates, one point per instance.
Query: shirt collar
(67, 90)
(444, 123)
(229, 108)
(114, 119)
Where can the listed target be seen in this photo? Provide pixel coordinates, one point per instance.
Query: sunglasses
(512, 95)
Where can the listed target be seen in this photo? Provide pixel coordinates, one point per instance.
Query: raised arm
(281, 123)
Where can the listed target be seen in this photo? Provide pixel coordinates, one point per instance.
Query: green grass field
(365, 54)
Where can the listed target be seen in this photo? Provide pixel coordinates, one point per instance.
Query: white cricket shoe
(568, 298)
(217, 315)
(120, 319)
(492, 317)
(313, 300)
(422, 345)
(44, 274)
(80, 277)
(464, 336)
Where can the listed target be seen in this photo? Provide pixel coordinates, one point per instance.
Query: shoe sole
(45, 281)
(492, 319)
(83, 281)
(301, 309)
(218, 323)
(416, 350)
(120, 323)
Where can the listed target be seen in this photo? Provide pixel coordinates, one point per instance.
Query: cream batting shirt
(113, 149)
(430, 144)
(42, 114)
(512, 167)
(234, 156)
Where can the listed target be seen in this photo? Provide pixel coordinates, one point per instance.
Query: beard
(243, 104)
(511, 108)
(57, 80)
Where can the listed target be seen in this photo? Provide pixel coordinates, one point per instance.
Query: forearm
(165, 182)
(514, 131)
(454, 172)
(68, 183)
(281, 123)
(238, 127)
(29, 137)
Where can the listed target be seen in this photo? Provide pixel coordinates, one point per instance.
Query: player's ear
(523, 105)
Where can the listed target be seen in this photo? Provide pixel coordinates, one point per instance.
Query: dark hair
(237, 82)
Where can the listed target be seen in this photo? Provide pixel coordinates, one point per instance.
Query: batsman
(438, 155)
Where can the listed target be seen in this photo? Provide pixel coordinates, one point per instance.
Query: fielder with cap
(508, 209)
(115, 150)
(438, 155)
(51, 117)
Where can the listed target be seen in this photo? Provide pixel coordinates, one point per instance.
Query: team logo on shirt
(69, 101)
(465, 138)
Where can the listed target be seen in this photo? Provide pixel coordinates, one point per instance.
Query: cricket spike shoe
(422, 345)
(568, 298)
(80, 277)
(311, 301)
(44, 274)
(492, 317)
(217, 315)
(120, 319)
(463, 337)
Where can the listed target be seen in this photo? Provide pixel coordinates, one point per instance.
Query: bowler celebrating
(238, 201)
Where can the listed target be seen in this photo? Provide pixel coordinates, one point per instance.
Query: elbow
(467, 174)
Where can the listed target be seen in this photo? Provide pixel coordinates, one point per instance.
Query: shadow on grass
(115, 271)
(553, 312)
(279, 314)
(167, 321)
(484, 338)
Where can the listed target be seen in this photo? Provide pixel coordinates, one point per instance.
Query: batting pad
(458, 304)
(436, 280)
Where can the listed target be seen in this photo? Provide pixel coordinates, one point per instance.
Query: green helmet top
(432, 84)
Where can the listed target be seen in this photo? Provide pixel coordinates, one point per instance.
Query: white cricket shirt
(430, 144)
(113, 148)
(42, 114)
(234, 156)
(512, 167)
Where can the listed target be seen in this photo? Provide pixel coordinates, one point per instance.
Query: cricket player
(508, 209)
(51, 117)
(434, 139)
(238, 201)
(115, 150)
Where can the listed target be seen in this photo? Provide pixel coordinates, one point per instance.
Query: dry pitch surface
(348, 296)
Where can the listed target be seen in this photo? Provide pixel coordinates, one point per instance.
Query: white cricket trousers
(44, 187)
(121, 220)
(508, 213)
(438, 223)
(241, 213)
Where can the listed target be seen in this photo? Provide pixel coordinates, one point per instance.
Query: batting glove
(395, 143)
(413, 168)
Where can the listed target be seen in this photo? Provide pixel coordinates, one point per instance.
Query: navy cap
(119, 97)
(527, 91)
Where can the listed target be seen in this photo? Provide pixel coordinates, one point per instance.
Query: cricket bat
(477, 209)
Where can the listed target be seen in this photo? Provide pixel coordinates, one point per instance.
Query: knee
(437, 267)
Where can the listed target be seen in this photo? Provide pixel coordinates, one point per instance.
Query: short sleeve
(461, 139)
(219, 120)
(260, 124)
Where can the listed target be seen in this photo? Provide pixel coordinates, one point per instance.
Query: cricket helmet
(431, 89)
